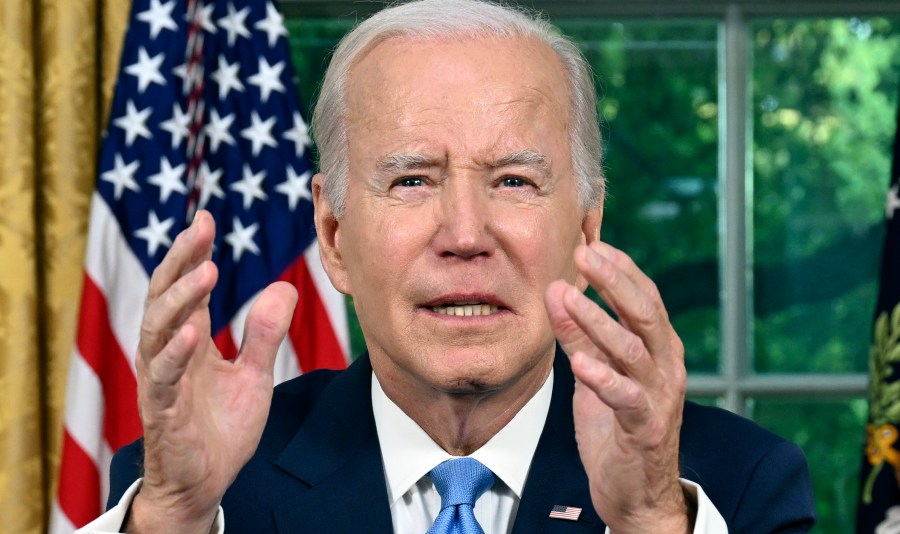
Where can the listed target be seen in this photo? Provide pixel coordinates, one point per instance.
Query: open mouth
(470, 308)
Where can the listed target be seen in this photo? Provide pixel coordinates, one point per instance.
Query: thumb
(570, 336)
(266, 325)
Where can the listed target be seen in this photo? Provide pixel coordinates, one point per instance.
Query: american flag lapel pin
(569, 513)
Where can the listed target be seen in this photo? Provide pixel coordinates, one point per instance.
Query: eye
(411, 181)
(513, 181)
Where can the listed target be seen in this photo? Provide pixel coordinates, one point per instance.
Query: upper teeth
(466, 308)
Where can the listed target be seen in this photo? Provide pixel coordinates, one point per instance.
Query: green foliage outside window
(824, 108)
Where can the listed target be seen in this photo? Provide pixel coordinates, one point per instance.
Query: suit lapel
(556, 476)
(336, 455)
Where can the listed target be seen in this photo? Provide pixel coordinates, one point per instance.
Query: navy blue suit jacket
(318, 466)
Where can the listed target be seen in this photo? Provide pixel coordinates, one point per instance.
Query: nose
(463, 220)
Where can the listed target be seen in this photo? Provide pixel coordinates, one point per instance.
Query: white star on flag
(268, 78)
(159, 17)
(122, 177)
(259, 132)
(181, 72)
(177, 125)
(204, 13)
(146, 69)
(273, 24)
(227, 77)
(156, 233)
(250, 186)
(295, 187)
(241, 239)
(893, 201)
(217, 130)
(298, 134)
(134, 123)
(209, 184)
(168, 180)
(234, 24)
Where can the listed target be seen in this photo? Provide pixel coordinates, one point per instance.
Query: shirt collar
(409, 453)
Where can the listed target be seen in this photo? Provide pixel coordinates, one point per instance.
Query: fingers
(624, 351)
(166, 314)
(619, 392)
(166, 368)
(177, 282)
(620, 361)
(594, 340)
(266, 325)
(636, 301)
(192, 246)
(570, 335)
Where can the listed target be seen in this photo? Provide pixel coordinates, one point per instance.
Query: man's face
(461, 208)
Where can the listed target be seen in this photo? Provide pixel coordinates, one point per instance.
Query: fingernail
(578, 299)
(593, 258)
(582, 302)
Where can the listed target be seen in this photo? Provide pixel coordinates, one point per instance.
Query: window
(748, 151)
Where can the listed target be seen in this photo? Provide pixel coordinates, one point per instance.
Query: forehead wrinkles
(514, 63)
(506, 119)
(490, 95)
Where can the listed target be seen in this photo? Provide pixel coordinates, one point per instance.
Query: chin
(470, 374)
(469, 386)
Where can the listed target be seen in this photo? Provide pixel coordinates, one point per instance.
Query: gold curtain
(58, 61)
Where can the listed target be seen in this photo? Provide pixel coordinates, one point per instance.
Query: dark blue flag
(879, 502)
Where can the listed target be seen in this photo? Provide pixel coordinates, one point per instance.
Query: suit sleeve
(127, 466)
(778, 496)
(113, 521)
(125, 472)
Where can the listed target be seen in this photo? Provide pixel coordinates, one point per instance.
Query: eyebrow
(525, 158)
(399, 163)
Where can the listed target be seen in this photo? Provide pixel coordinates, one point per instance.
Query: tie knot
(461, 481)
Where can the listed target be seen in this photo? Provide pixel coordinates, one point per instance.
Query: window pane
(659, 102)
(311, 42)
(830, 432)
(824, 97)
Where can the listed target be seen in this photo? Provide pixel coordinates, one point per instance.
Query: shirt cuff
(111, 521)
(709, 520)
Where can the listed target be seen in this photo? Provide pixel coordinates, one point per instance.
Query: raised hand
(202, 415)
(629, 392)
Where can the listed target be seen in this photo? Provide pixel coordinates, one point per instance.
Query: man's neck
(459, 422)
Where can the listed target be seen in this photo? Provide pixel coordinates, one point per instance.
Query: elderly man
(459, 202)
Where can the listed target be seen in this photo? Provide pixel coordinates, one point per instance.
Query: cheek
(386, 242)
(542, 245)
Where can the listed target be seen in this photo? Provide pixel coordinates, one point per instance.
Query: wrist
(676, 514)
(167, 514)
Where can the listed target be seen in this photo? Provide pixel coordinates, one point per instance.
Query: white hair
(447, 19)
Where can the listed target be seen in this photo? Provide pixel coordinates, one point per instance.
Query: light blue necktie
(460, 482)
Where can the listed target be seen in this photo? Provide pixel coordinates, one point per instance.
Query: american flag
(205, 116)
(569, 513)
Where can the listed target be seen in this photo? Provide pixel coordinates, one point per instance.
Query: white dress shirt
(408, 455)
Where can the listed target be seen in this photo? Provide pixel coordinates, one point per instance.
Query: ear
(328, 231)
(590, 233)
